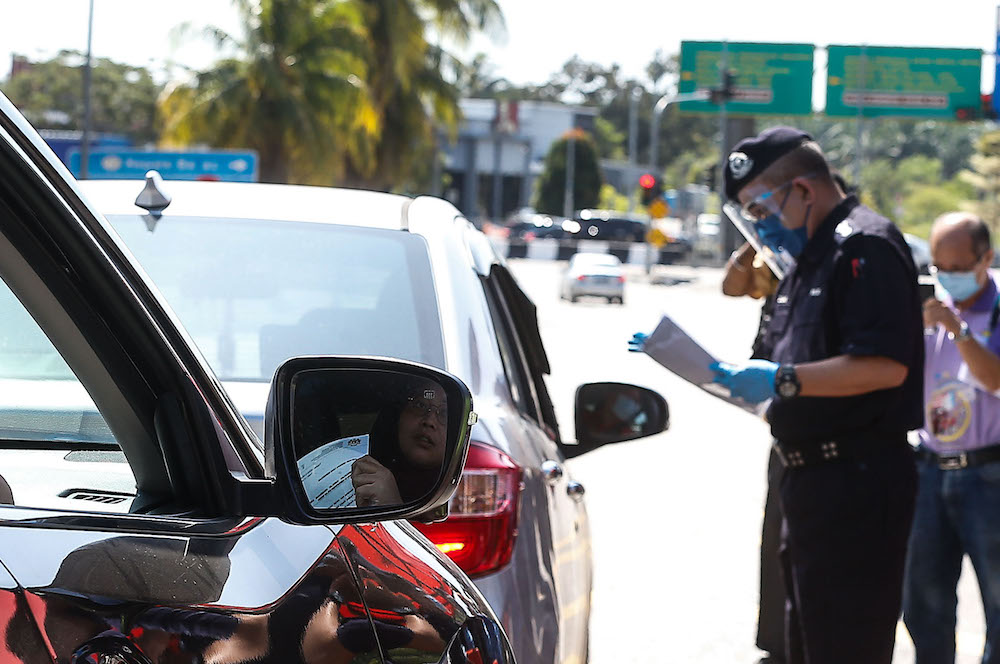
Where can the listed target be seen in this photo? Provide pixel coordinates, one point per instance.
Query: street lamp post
(85, 137)
(658, 109)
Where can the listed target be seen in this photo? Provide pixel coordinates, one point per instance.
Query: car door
(128, 478)
(115, 531)
(562, 496)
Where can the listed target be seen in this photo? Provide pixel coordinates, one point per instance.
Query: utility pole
(859, 149)
(568, 202)
(85, 138)
(720, 97)
(633, 143)
(661, 105)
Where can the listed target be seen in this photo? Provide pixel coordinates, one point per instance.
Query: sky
(540, 36)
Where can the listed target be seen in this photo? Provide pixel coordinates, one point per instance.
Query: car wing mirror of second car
(616, 412)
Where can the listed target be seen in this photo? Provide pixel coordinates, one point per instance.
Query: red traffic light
(647, 181)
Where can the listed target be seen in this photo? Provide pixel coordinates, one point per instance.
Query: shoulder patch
(844, 229)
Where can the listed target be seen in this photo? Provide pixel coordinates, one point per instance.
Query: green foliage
(587, 175)
(610, 141)
(332, 91)
(912, 192)
(895, 139)
(611, 199)
(123, 97)
(294, 91)
(983, 176)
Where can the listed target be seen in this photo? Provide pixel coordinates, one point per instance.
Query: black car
(610, 226)
(143, 521)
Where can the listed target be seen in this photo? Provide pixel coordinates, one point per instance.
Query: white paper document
(671, 347)
(326, 472)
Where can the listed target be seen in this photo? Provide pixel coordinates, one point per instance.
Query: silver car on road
(259, 273)
(594, 274)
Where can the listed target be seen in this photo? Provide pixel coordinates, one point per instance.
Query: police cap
(753, 155)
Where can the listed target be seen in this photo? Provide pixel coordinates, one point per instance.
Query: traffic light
(651, 188)
(986, 111)
(989, 110)
(724, 92)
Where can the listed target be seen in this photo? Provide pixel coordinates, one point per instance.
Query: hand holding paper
(637, 343)
(674, 349)
(753, 382)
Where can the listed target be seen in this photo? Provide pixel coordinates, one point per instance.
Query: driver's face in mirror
(423, 423)
(369, 438)
(408, 446)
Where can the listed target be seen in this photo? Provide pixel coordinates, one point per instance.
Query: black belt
(956, 460)
(855, 447)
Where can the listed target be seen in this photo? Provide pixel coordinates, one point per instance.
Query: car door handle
(552, 472)
(575, 491)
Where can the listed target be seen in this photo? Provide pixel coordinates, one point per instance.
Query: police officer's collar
(821, 240)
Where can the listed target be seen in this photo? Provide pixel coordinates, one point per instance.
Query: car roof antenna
(153, 197)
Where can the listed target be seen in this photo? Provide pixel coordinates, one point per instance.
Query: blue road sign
(223, 165)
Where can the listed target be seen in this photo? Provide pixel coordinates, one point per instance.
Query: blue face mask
(777, 237)
(960, 285)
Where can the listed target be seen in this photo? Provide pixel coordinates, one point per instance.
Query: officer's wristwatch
(964, 333)
(786, 382)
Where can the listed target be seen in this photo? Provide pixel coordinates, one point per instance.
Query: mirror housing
(613, 413)
(283, 424)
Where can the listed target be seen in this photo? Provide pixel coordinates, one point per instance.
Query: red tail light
(581, 277)
(621, 279)
(479, 534)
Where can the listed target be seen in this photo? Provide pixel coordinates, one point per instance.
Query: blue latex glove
(637, 343)
(753, 382)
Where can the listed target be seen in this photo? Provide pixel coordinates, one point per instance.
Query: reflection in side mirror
(615, 412)
(368, 438)
(367, 435)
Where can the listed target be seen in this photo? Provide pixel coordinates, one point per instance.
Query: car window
(253, 293)
(55, 446)
(517, 377)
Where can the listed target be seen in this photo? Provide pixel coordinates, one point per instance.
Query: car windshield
(254, 293)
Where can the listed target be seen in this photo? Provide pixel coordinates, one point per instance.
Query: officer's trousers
(846, 526)
(771, 617)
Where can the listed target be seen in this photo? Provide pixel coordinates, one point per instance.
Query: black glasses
(417, 406)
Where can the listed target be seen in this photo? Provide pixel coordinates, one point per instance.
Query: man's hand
(374, 484)
(937, 312)
(753, 382)
(638, 342)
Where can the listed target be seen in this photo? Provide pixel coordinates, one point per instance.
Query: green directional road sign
(914, 82)
(771, 79)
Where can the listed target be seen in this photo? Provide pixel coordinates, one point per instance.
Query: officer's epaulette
(846, 229)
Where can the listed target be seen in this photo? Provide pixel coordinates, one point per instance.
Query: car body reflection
(369, 593)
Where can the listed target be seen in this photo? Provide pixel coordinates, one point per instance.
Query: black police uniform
(771, 608)
(849, 486)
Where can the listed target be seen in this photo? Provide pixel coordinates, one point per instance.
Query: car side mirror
(615, 412)
(363, 439)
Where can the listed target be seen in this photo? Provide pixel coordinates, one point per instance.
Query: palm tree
(408, 83)
(294, 90)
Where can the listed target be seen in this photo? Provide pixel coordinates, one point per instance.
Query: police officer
(844, 378)
(747, 274)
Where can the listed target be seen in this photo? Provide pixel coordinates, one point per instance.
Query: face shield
(764, 235)
(759, 220)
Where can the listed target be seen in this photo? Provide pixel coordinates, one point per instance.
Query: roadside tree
(587, 175)
(123, 97)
